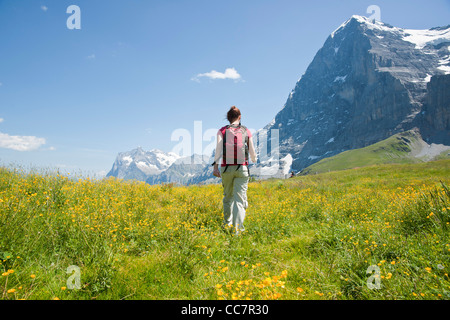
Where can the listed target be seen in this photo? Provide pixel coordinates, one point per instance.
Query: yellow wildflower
(267, 281)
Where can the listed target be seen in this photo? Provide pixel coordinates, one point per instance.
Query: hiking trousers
(235, 184)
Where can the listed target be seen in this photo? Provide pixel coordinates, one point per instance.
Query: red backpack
(235, 145)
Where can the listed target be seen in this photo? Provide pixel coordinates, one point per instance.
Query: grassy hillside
(405, 147)
(309, 237)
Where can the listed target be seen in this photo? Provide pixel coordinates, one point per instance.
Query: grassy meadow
(404, 147)
(308, 237)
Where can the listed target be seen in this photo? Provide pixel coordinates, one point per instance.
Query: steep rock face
(435, 117)
(365, 84)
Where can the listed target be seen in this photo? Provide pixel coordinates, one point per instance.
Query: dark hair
(233, 114)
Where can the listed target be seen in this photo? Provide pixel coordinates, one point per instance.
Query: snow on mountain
(420, 38)
(156, 166)
(137, 163)
(181, 170)
(423, 38)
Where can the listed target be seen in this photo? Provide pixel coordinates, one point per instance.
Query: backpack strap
(246, 140)
(245, 133)
(224, 149)
(246, 143)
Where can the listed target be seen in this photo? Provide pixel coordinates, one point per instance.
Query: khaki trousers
(235, 183)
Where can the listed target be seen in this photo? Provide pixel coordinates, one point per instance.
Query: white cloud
(92, 56)
(44, 8)
(1, 120)
(20, 143)
(230, 73)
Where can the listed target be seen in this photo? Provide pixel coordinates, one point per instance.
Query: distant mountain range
(139, 164)
(156, 166)
(368, 82)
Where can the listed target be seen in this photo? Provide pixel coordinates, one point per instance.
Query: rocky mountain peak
(367, 82)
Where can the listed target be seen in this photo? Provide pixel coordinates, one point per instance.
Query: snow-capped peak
(360, 19)
(368, 23)
(149, 162)
(420, 38)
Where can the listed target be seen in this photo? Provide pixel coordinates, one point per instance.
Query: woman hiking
(234, 144)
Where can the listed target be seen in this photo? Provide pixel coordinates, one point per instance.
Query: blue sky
(137, 70)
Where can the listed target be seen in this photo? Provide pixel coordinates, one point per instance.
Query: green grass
(308, 237)
(396, 149)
